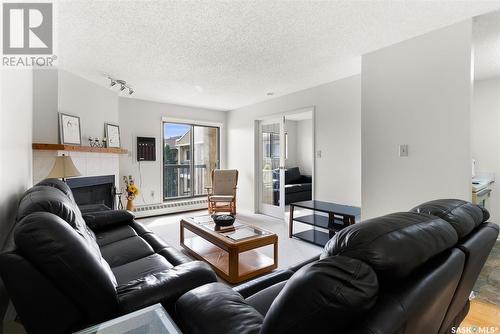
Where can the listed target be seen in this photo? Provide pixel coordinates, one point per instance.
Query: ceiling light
(122, 84)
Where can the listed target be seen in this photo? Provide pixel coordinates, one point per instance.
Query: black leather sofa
(408, 272)
(64, 271)
(298, 187)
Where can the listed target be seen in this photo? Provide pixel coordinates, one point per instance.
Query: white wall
(337, 135)
(144, 119)
(485, 135)
(60, 91)
(417, 92)
(15, 153)
(304, 146)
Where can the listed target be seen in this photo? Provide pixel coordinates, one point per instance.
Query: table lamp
(63, 168)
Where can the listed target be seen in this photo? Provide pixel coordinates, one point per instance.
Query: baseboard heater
(169, 207)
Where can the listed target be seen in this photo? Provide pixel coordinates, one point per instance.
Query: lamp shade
(63, 168)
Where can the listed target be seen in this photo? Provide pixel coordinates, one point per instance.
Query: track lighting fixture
(122, 84)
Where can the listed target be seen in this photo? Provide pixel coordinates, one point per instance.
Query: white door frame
(258, 154)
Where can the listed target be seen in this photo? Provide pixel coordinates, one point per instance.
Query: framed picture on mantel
(69, 129)
(112, 135)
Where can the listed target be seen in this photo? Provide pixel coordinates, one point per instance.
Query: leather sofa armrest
(163, 287)
(106, 219)
(258, 284)
(303, 263)
(214, 309)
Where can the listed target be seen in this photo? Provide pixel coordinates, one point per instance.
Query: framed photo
(69, 129)
(112, 135)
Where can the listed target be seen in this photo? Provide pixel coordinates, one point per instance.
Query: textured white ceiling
(228, 54)
(487, 46)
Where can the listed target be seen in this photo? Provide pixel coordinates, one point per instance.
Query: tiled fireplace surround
(88, 163)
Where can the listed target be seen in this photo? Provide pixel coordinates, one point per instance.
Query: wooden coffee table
(233, 253)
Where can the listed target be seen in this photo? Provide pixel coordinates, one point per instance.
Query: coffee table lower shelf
(250, 263)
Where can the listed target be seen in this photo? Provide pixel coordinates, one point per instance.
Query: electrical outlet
(403, 150)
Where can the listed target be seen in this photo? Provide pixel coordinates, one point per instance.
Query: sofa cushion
(125, 251)
(331, 293)
(296, 188)
(60, 185)
(214, 309)
(60, 253)
(292, 175)
(164, 287)
(108, 219)
(140, 268)
(463, 216)
(52, 200)
(115, 234)
(393, 245)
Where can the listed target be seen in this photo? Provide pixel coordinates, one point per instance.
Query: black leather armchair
(64, 271)
(407, 272)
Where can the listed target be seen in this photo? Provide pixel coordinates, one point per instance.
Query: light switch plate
(403, 150)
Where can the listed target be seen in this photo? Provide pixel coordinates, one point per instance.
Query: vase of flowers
(131, 190)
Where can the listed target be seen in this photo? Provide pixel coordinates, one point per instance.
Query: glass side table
(150, 320)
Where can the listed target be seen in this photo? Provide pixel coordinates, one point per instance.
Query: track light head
(130, 91)
(113, 82)
(122, 88)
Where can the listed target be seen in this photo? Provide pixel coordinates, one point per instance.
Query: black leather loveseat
(64, 271)
(408, 272)
(298, 187)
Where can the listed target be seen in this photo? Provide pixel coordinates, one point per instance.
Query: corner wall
(337, 136)
(417, 92)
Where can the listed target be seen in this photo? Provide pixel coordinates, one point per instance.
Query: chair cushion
(224, 181)
(125, 251)
(214, 309)
(140, 268)
(221, 198)
(115, 234)
(463, 216)
(331, 293)
(394, 245)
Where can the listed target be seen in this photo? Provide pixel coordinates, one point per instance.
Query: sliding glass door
(191, 152)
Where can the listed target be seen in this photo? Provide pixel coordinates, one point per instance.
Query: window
(190, 153)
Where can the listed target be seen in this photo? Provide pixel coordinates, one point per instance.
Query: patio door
(271, 167)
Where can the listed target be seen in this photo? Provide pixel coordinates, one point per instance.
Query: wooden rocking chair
(222, 194)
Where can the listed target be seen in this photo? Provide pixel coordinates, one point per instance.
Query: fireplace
(93, 193)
